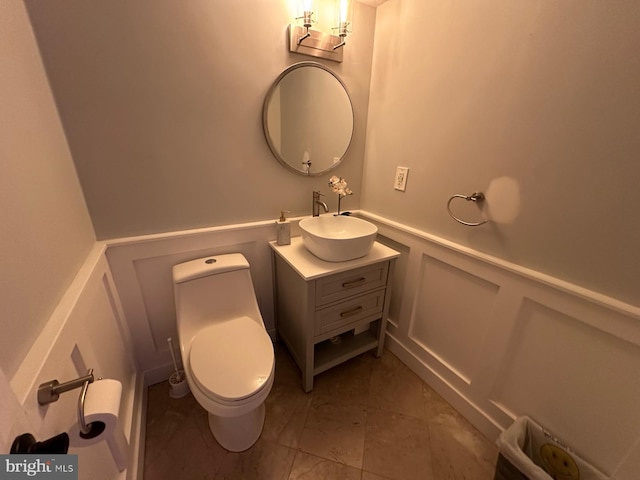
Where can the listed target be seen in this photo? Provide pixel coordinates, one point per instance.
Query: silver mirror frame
(265, 125)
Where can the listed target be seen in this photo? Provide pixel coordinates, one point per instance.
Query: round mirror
(308, 119)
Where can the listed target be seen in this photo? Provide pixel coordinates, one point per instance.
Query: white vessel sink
(337, 238)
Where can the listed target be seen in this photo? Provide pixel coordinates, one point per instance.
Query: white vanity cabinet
(330, 312)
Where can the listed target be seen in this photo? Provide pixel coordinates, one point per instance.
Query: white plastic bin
(528, 452)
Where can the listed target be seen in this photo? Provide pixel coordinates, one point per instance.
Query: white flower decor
(339, 186)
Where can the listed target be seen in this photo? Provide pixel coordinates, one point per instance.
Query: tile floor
(368, 419)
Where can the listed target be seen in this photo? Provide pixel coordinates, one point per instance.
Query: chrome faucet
(317, 203)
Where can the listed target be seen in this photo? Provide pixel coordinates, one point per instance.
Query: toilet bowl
(226, 351)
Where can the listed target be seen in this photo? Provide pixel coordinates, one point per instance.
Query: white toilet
(226, 351)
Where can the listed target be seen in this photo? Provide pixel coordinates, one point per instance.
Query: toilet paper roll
(102, 412)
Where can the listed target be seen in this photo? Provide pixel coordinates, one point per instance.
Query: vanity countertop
(311, 267)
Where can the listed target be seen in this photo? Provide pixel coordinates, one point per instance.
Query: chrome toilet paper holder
(49, 392)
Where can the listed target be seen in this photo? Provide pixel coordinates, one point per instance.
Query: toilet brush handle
(173, 355)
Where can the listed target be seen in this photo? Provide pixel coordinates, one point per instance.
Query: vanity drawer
(352, 310)
(354, 282)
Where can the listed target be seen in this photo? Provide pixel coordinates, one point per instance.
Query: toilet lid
(232, 360)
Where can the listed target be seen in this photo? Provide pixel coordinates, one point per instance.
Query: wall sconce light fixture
(304, 40)
(307, 14)
(345, 18)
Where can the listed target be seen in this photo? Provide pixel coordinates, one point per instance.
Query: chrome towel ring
(477, 197)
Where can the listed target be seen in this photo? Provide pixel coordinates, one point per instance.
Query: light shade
(344, 10)
(344, 15)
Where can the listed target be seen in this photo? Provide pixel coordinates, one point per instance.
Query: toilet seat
(232, 360)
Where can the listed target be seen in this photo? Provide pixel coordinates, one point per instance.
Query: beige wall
(543, 93)
(162, 105)
(46, 232)
(534, 103)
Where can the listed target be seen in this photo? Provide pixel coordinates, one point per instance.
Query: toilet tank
(213, 289)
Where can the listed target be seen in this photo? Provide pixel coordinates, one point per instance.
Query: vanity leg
(307, 382)
(381, 331)
(307, 371)
(382, 328)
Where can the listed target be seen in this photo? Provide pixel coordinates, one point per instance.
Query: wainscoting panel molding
(451, 314)
(561, 371)
(86, 330)
(499, 341)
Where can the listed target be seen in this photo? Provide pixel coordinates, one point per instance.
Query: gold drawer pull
(354, 283)
(353, 311)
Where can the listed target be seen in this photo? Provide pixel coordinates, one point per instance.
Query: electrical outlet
(400, 182)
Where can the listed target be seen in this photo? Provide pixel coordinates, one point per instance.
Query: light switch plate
(400, 182)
